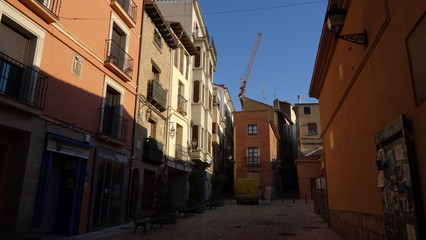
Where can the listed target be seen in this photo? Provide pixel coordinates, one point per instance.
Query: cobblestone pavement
(277, 220)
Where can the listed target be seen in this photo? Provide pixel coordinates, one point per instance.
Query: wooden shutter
(197, 57)
(196, 97)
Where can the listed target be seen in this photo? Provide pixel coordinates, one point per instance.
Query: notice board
(396, 178)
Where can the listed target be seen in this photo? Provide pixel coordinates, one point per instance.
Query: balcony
(153, 152)
(118, 61)
(157, 96)
(181, 153)
(22, 83)
(127, 10)
(48, 10)
(113, 125)
(182, 105)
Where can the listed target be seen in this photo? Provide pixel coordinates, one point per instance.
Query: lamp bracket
(357, 38)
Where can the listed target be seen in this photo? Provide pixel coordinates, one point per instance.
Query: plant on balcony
(196, 190)
(218, 184)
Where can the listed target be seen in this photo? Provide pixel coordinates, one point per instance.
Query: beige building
(179, 115)
(223, 135)
(188, 13)
(308, 132)
(309, 147)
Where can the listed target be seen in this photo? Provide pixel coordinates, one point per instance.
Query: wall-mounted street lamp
(172, 132)
(335, 19)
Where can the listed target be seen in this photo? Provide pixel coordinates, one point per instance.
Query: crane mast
(246, 75)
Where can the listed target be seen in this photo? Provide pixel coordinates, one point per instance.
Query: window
(196, 97)
(209, 142)
(307, 110)
(215, 128)
(111, 112)
(19, 53)
(118, 46)
(210, 101)
(117, 59)
(252, 129)
(112, 122)
(176, 61)
(155, 74)
(195, 140)
(253, 174)
(253, 156)
(203, 90)
(186, 66)
(153, 130)
(157, 39)
(312, 129)
(198, 58)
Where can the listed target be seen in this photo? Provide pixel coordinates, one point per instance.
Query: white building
(188, 13)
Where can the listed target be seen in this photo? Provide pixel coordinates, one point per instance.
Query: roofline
(162, 25)
(183, 37)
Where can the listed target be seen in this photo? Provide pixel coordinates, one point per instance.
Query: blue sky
(286, 55)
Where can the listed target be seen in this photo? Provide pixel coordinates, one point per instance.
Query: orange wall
(364, 90)
(84, 31)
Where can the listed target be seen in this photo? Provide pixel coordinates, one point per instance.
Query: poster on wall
(395, 180)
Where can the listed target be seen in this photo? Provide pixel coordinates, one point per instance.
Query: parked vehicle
(247, 190)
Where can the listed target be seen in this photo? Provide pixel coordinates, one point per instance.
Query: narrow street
(276, 220)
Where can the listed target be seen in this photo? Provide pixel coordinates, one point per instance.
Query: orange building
(372, 98)
(67, 94)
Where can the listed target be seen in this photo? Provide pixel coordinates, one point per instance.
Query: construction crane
(246, 75)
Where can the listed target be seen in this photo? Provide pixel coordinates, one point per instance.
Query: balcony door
(110, 123)
(118, 47)
(15, 47)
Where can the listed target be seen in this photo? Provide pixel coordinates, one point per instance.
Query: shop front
(62, 177)
(110, 189)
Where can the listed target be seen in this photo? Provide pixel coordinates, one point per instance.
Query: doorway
(109, 191)
(148, 190)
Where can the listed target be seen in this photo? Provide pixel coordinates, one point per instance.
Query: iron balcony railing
(129, 7)
(53, 6)
(117, 56)
(182, 105)
(181, 153)
(22, 82)
(157, 96)
(114, 124)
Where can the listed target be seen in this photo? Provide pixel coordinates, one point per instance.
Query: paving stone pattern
(277, 220)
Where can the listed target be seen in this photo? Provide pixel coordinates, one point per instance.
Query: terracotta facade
(361, 89)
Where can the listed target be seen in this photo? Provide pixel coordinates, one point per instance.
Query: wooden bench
(184, 208)
(210, 204)
(143, 220)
